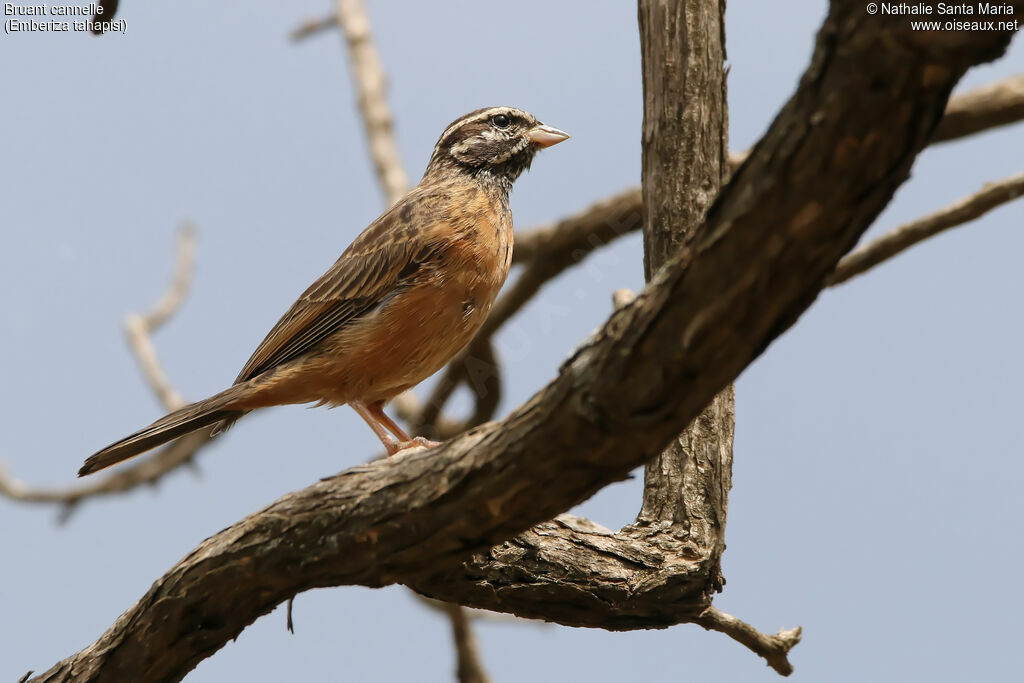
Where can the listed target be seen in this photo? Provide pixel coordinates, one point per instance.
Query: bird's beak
(545, 136)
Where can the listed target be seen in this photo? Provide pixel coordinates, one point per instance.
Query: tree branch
(774, 649)
(148, 470)
(595, 226)
(685, 163)
(558, 246)
(974, 111)
(470, 669)
(991, 196)
(752, 268)
(371, 83)
(139, 328)
(313, 26)
(984, 108)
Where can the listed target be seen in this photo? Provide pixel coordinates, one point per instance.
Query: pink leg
(390, 442)
(377, 410)
(380, 423)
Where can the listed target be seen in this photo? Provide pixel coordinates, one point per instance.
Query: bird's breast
(432, 317)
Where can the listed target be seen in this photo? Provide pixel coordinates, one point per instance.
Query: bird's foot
(417, 444)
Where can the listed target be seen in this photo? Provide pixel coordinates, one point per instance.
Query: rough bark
(827, 166)
(685, 164)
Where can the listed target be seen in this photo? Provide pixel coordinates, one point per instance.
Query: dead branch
(371, 83)
(774, 649)
(313, 26)
(578, 235)
(139, 328)
(991, 196)
(469, 668)
(984, 108)
(148, 470)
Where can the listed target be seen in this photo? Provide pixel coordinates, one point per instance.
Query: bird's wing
(381, 260)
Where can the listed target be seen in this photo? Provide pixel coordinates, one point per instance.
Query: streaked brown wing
(380, 261)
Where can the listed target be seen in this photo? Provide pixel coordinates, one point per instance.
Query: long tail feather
(216, 409)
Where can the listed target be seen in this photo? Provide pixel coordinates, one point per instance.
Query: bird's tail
(216, 410)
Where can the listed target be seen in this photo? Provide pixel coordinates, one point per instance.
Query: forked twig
(147, 470)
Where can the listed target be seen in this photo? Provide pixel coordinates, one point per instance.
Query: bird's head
(493, 144)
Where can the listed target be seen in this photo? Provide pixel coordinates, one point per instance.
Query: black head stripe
(474, 144)
(474, 123)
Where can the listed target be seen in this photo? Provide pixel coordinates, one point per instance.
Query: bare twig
(149, 470)
(371, 84)
(470, 669)
(311, 27)
(139, 328)
(774, 649)
(870, 255)
(989, 106)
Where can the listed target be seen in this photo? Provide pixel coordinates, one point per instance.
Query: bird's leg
(377, 410)
(380, 423)
(390, 442)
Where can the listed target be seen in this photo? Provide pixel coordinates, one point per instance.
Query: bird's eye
(500, 121)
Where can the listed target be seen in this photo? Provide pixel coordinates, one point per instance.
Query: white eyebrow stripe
(485, 114)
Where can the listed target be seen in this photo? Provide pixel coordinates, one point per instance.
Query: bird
(402, 300)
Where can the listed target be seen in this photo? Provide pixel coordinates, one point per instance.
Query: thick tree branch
(573, 571)
(685, 164)
(755, 265)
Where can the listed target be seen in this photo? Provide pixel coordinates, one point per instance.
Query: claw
(417, 444)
